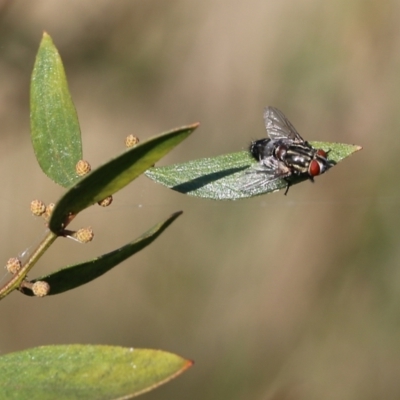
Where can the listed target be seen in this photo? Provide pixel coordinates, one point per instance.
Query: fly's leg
(288, 185)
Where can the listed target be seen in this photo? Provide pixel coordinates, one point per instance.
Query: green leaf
(115, 174)
(76, 275)
(55, 130)
(71, 372)
(223, 177)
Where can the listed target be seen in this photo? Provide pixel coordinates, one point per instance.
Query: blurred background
(276, 297)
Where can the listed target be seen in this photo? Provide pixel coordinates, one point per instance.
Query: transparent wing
(263, 174)
(279, 127)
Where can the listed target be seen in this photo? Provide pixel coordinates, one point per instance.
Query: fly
(284, 153)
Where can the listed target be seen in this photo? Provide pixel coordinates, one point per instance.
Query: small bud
(105, 202)
(84, 235)
(13, 265)
(82, 167)
(40, 288)
(131, 141)
(49, 210)
(37, 207)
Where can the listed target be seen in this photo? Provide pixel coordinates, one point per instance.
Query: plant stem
(16, 280)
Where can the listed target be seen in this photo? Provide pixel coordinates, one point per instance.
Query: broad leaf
(224, 177)
(88, 372)
(115, 174)
(76, 275)
(55, 130)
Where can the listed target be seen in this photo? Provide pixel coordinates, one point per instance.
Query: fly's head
(320, 163)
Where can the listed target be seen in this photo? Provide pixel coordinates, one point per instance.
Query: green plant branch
(49, 238)
(17, 279)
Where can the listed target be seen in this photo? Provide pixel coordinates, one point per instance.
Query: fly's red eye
(314, 168)
(322, 153)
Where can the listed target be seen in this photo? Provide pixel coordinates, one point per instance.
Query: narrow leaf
(115, 174)
(71, 372)
(55, 130)
(77, 275)
(223, 177)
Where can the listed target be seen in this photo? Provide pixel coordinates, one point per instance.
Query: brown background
(276, 297)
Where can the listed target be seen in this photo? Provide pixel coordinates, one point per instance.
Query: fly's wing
(260, 175)
(279, 127)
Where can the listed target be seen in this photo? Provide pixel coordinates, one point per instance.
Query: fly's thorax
(302, 158)
(298, 157)
(280, 151)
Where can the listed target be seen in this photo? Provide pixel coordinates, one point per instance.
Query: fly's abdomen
(261, 149)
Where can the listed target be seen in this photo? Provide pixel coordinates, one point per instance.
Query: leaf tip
(188, 364)
(195, 125)
(176, 214)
